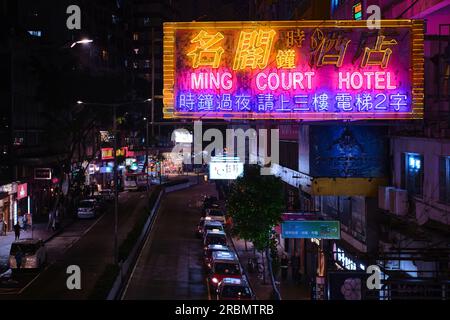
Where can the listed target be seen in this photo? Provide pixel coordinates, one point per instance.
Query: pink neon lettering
(378, 80)
(346, 80)
(369, 75)
(277, 81)
(353, 82)
(227, 84)
(389, 86)
(309, 76)
(258, 85)
(204, 80)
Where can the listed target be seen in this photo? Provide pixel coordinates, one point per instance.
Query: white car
(216, 215)
(32, 252)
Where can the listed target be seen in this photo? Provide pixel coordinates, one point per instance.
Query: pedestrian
(284, 264)
(295, 262)
(2, 227)
(50, 220)
(25, 221)
(17, 231)
(19, 256)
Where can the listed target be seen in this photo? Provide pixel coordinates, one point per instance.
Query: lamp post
(83, 41)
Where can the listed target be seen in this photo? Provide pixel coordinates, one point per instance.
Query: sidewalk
(40, 231)
(287, 288)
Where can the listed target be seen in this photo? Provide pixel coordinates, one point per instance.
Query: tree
(255, 203)
(69, 127)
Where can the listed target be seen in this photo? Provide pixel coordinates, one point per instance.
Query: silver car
(32, 253)
(88, 209)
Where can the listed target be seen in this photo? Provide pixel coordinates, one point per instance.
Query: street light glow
(81, 42)
(79, 102)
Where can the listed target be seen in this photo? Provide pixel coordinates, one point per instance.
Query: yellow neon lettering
(253, 49)
(205, 54)
(371, 56)
(286, 59)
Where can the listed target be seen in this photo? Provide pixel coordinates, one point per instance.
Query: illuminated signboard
(225, 168)
(310, 70)
(182, 136)
(42, 174)
(108, 153)
(22, 191)
(357, 11)
(307, 229)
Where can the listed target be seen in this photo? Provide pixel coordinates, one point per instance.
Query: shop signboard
(225, 168)
(22, 191)
(42, 174)
(307, 229)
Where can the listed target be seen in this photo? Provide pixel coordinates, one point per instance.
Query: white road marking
(70, 246)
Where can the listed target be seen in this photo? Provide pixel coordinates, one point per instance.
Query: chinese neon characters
(207, 52)
(253, 49)
(370, 55)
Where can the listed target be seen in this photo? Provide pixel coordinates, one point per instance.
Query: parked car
(234, 289)
(214, 237)
(88, 209)
(212, 225)
(209, 202)
(210, 250)
(107, 194)
(200, 225)
(34, 254)
(216, 214)
(223, 265)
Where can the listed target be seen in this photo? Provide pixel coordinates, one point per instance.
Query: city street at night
(86, 243)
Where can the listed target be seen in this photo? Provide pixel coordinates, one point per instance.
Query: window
(35, 33)
(412, 178)
(444, 179)
(135, 36)
(104, 55)
(289, 154)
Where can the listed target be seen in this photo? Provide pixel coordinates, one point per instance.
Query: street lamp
(83, 41)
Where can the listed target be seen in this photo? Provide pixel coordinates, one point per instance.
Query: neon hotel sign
(311, 70)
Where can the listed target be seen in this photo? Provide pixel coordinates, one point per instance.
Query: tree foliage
(255, 203)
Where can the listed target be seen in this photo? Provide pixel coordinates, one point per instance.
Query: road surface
(170, 263)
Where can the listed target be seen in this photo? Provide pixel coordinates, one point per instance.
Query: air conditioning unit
(398, 201)
(383, 198)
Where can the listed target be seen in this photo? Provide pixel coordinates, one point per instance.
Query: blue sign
(307, 229)
(348, 151)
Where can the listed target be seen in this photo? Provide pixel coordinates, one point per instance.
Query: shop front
(5, 213)
(7, 200)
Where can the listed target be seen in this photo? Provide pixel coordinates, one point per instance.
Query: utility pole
(116, 189)
(153, 82)
(146, 151)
